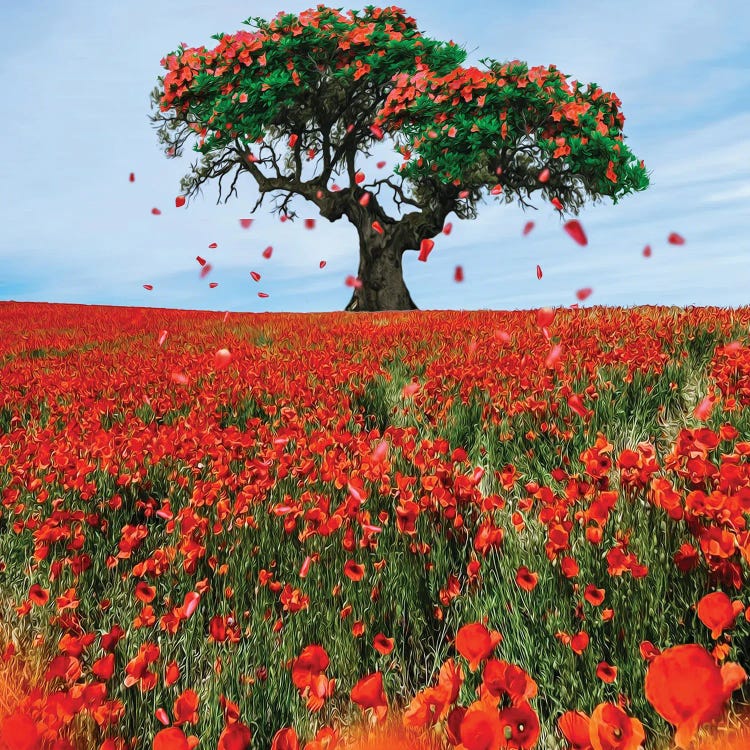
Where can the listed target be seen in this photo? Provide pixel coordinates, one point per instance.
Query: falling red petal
(155, 211)
(200, 260)
(583, 293)
(206, 270)
(647, 251)
(381, 164)
(365, 199)
(575, 230)
(148, 287)
(447, 228)
(675, 239)
(459, 275)
(267, 252)
(245, 223)
(556, 203)
(309, 223)
(544, 175)
(222, 358)
(322, 264)
(539, 272)
(179, 201)
(213, 284)
(255, 275)
(425, 248)
(132, 176)
(212, 246)
(262, 294)
(528, 227)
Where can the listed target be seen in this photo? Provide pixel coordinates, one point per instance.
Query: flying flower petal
(575, 230)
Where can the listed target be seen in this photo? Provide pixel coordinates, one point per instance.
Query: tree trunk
(380, 272)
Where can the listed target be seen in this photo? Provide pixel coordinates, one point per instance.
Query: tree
(331, 85)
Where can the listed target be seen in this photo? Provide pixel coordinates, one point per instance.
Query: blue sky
(77, 77)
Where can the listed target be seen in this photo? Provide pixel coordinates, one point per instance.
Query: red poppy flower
(172, 673)
(38, 595)
(144, 592)
(716, 611)
(236, 736)
(285, 739)
(104, 668)
(171, 738)
(520, 726)
(593, 595)
(186, 708)
(687, 703)
(579, 642)
(606, 672)
(19, 732)
(501, 678)
(382, 644)
(369, 693)
(354, 570)
(475, 643)
(312, 661)
(526, 579)
(611, 728)
(574, 726)
(569, 567)
(481, 728)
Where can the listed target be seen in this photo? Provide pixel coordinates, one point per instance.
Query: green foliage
(325, 79)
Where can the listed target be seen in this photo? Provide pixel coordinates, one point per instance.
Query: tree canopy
(326, 86)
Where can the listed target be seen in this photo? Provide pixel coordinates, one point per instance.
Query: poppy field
(478, 530)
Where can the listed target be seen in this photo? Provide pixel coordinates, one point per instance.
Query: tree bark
(380, 272)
